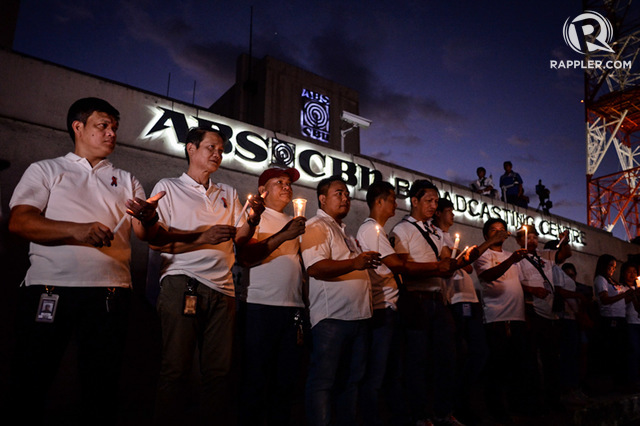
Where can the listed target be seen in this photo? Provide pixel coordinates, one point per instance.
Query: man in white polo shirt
(79, 281)
(196, 303)
(340, 305)
(503, 304)
(271, 305)
(536, 277)
(428, 322)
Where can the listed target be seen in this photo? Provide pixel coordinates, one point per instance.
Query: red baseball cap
(293, 174)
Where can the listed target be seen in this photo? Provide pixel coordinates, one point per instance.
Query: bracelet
(149, 223)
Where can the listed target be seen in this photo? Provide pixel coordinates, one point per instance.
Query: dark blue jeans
(338, 363)
(271, 359)
(431, 361)
(634, 352)
(508, 373)
(471, 349)
(569, 355)
(384, 333)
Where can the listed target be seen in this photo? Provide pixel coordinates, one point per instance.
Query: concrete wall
(35, 96)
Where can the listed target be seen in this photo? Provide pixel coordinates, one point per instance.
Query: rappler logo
(588, 25)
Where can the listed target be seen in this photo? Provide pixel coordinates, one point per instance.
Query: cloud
(518, 141)
(527, 158)
(67, 13)
(568, 203)
(212, 64)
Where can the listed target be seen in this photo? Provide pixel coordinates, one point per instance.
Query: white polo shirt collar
(75, 158)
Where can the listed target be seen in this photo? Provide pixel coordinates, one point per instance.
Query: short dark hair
(567, 265)
(420, 187)
(197, 134)
(444, 203)
(488, 223)
(481, 169)
(378, 189)
(507, 163)
(324, 184)
(603, 264)
(82, 109)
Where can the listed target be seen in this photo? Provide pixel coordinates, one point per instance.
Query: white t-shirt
(277, 280)
(188, 206)
(561, 279)
(460, 286)
(631, 314)
(530, 277)
(503, 298)
(69, 189)
(383, 284)
(613, 310)
(407, 239)
(346, 297)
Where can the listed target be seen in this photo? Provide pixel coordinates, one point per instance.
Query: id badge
(466, 310)
(47, 307)
(190, 304)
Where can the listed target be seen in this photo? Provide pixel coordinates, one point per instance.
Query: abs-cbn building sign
(252, 149)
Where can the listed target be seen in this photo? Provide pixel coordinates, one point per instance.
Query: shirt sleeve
(367, 237)
(316, 244)
(400, 240)
(33, 189)
(600, 285)
(447, 240)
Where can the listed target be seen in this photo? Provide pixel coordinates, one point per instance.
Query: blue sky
(449, 86)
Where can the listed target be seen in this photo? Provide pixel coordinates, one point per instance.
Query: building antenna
(251, 44)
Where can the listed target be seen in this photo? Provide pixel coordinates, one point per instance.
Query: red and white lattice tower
(612, 108)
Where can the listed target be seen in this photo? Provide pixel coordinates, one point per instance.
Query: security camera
(356, 120)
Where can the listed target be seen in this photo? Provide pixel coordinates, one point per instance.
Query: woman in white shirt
(612, 298)
(628, 277)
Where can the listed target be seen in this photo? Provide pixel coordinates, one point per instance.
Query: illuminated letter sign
(314, 116)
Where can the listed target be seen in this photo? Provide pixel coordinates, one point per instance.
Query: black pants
(100, 336)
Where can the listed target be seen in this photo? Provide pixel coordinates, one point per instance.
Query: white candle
(377, 239)
(526, 232)
(561, 241)
(455, 245)
(244, 209)
(638, 282)
(122, 219)
(462, 252)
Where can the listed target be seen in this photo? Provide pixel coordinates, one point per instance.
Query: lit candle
(377, 239)
(299, 205)
(462, 252)
(526, 233)
(244, 209)
(638, 282)
(561, 241)
(455, 246)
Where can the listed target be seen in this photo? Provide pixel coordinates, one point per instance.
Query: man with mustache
(340, 305)
(196, 303)
(68, 208)
(271, 301)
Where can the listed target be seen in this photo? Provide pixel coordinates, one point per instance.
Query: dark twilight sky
(449, 86)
